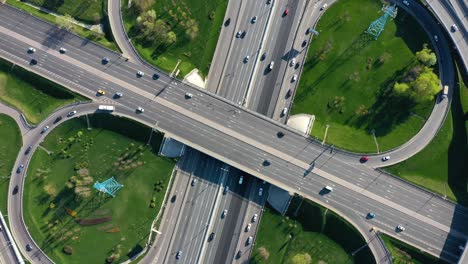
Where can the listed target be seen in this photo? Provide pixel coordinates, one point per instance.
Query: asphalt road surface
(230, 126)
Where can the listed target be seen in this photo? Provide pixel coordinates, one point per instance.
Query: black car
(28, 150)
(243, 34)
(57, 119)
(155, 76)
(20, 168)
(227, 22)
(15, 190)
(28, 247)
(211, 237)
(263, 56)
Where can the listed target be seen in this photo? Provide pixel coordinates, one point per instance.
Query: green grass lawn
(350, 68)
(405, 254)
(113, 148)
(89, 11)
(193, 53)
(33, 95)
(10, 144)
(442, 166)
(105, 40)
(314, 231)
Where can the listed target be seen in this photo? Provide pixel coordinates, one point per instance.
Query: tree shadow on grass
(52, 5)
(358, 44)
(410, 31)
(458, 151)
(387, 111)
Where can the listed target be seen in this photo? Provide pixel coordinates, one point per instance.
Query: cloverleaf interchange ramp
(243, 124)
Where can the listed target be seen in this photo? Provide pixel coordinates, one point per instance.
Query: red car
(364, 159)
(286, 12)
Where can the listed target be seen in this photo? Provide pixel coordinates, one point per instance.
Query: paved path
(16, 115)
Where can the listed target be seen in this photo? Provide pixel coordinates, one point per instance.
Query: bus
(109, 108)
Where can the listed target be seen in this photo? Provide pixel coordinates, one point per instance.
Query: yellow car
(101, 92)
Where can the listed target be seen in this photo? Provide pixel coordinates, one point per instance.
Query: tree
(64, 22)
(140, 6)
(384, 57)
(425, 86)
(426, 56)
(68, 250)
(171, 38)
(301, 259)
(400, 88)
(264, 253)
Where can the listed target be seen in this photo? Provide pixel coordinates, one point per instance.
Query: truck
(445, 92)
(108, 108)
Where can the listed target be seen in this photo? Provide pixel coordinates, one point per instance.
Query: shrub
(264, 253)
(68, 250)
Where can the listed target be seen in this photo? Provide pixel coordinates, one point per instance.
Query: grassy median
(194, 50)
(10, 144)
(31, 94)
(347, 76)
(313, 232)
(405, 254)
(442, 166)
(69, 219)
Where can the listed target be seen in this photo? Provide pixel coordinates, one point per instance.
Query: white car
(45, 129)
(226, 189)
(385, 158)
(140, 73)
(294, 78)
(249, 240)
(246, 59)
(260, 192)
(118, 94)
(194, 181)
(62, 50)
(293, 62)
(254, 218)
(284, 111)
(224, 214)
(400, 228)
(238, 34)
(140, 109)
(323, 7)
(247, 228)
(72, 113)
(188, 95)
(31, 50)
(270, 66)
(406, 3)
(454, 28)
(179, 254)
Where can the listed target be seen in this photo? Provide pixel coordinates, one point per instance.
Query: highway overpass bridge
(236, 136)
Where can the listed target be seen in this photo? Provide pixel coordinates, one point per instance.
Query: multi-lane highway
(449, 13)
(251, 139)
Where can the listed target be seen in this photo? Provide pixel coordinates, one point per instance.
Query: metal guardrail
(417, 186)
(10, 238)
